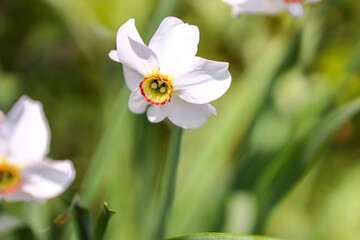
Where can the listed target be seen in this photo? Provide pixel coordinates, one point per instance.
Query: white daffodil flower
(166, 78)
(271, 7)
(25, 173)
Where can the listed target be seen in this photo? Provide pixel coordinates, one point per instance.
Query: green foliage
(102, 222)
(83, 222)
(219, 236)
(85, 229)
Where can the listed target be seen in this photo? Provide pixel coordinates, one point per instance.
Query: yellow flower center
(10, 180)
(156, 89)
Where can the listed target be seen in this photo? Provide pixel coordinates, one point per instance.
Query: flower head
(25, 173)
(166, 79)
(294, 7)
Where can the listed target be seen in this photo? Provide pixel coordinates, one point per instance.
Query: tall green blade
(102, 223)
(219, 236)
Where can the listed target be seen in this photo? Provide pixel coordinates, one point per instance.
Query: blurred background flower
(268, 7)
(25, 172)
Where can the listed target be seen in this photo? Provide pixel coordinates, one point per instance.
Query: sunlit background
(272, 162)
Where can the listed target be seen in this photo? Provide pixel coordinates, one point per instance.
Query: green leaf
(24, 233)
(102, 222)
(221, 236)
(83, 222)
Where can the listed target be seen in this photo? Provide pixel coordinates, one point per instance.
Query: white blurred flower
(25, 173)
(294, 7)
(166, 78)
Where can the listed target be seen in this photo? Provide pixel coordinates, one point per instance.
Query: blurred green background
(282, 157)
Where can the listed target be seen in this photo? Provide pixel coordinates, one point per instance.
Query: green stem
(168, 180)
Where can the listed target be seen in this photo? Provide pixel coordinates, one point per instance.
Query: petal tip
(113, 56)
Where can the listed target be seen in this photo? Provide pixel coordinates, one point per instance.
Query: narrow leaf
(83, 222)
(24, 233)
(102, 222)
(220, 236)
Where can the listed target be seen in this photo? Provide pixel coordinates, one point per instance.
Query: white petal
(259, 7)
(175, 44)
(296, 9)
(47, 179)
(237, 11)
(114, 56)
(156, 113)
(3, 148)
(2, 142)
(131, 50)
(2, 117)
(137, 102)
(132, 78)
(204, 82)
(26, 131)
(188, 115)
(272, 6)
(235, 2)
(18, 196)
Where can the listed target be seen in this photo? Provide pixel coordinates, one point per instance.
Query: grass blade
(102, 222)
(220, 236)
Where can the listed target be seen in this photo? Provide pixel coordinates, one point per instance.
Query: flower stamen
(156, 89)
(154, 85)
